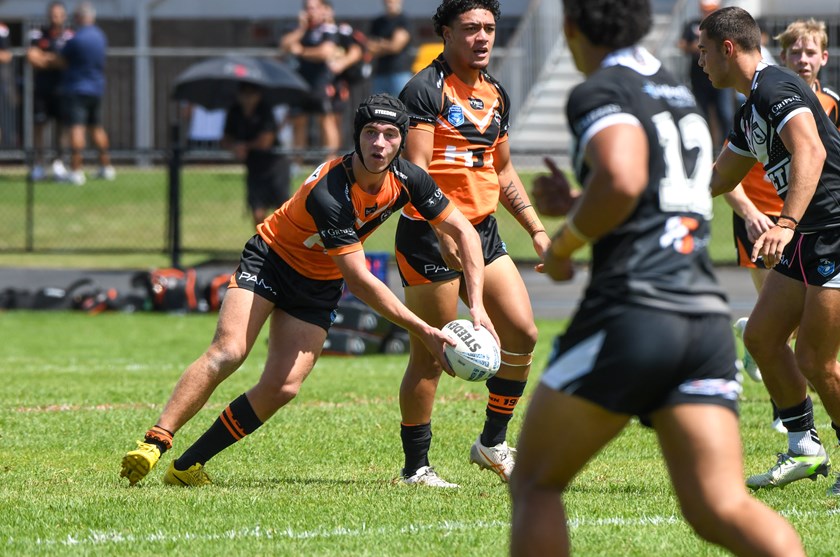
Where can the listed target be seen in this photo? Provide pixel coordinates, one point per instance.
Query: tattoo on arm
(517, 204)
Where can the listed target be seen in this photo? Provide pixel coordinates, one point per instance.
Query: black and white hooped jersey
(658, 256)
(777, 95)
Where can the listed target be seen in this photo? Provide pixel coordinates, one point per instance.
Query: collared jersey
(756, 184)
(658, 256)
(468, 123)
(777, 95)
(331, 215)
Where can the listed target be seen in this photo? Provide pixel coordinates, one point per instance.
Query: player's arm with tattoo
(514, 198)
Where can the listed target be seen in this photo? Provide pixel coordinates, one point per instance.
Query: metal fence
(177, 204)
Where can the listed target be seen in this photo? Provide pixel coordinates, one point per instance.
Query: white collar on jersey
(636, 58)
(758, 68)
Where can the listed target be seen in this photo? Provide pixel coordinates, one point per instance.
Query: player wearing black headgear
(293, 272)
(380, 108)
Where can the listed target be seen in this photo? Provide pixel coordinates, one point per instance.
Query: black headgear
(380, 108)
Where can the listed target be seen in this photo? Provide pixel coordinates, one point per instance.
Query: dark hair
(734, 24)
(611, 23)
(380, 108)
(450, 9)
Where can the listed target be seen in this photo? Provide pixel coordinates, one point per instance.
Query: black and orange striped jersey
(468, 123)
(331, 215)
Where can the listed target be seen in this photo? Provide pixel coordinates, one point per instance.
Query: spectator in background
(251, 135)
(717, 104)
(349, 67)
(82, 87)
(314, 44)
(5, 58)
(45, 44)
(388, 42)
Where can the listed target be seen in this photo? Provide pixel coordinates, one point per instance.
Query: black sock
(502, 399)
(799, 417)
(416, 442)
(775, 410)
(237, 421)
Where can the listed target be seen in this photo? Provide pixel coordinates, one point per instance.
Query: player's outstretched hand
(559, 269)
(552, 193)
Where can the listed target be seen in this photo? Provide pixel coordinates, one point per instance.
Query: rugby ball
(475, 356)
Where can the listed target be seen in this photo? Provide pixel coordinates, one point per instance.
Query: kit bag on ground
(358, 329)
(172, 289)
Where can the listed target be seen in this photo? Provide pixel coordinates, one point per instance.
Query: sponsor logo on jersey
(778, 175)
(315, 174)
(385, 215)
(455, 116)
(674, 95)
(336, 232)
(476, 104)
(371, 210)
(826, 267)
(434, 199)
(779, 106)
(678, 234)
(593, 116)
(497, 118)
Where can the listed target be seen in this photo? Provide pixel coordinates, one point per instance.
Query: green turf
(315, 480)
(129, 216)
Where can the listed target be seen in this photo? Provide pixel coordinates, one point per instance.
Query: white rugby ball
(475, 356)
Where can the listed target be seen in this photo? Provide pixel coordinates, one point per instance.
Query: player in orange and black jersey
(459, 125)
(293, 272)
(756, 205)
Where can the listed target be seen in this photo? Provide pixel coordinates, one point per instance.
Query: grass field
(129, 214)
(318, 478)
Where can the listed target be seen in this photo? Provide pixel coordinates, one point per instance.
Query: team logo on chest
(455, 115)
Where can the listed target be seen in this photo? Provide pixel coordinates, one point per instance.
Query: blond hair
(803, 28)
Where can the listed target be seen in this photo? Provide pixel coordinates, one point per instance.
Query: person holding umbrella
(251, 134)
(293, 272)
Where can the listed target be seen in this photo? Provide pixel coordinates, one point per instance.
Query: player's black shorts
(636, 360)
(743, 246)
(813, 258)
(418, 253)
(46, 107)
(266, 274)
(81, 110)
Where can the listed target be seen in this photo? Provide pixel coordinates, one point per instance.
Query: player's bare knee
(225, 356)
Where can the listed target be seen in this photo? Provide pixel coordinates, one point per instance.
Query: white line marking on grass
(98, 538)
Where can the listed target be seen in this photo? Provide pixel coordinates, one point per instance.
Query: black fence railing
(178, 203)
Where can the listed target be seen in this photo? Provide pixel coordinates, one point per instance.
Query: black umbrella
(213, 83)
